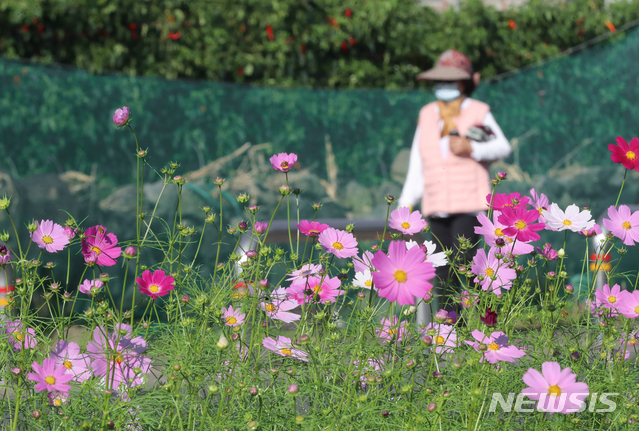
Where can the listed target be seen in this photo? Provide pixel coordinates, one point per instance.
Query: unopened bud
(223, 343)
(561, 253)
(501, 175)
(218, 181)
(293, 389)
(285, 190)
(130, 252)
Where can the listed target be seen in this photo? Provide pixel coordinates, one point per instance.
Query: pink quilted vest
(456, 184)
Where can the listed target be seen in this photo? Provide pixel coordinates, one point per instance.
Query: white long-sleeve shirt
(495, 149)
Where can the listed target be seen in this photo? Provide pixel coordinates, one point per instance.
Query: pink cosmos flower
(49, 377)
(315, 289)
(628, 303)
(547, 252)
(497, 345)
(156, 284)
(392, 330)
(597, 309)
(5, 255)
(594, 230)
(232, 317)
(121, 116)
(520, 223)
(56, 399)
(311, 228)
(70, 232)
(623, 224)
(572, 219)
(540, 203)
(495, 272)
(553, 387)
(90, 287)
(494, 230)
(338, 242)
(260, 227)
(627, 155)
(403, 274)
(50, 236)
(444, 337)
(363, 263)
(67, 354)
(304, 272)
(283, 162)
(100, 246)
(429, 247)
(19, 336)
(368, 368)
(512, 200)
(284, 347)
(609, 297)
(278, 308)
(468, 300)
(406, 222)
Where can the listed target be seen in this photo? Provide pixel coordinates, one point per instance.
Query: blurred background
(220, 86)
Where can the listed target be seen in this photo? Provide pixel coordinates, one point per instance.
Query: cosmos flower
(406, 222)
(283, 162)
(497, 347)
(338, 242)
(99, 247)
(284, 347)
(49, 377)
(232, 317)
(572, 219)
(155, 284)
(623, 224)
(552, 388)
(50, 236)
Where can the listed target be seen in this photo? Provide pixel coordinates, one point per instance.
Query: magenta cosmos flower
(155, 284)
(278, 307)
(628, 304)
(121, 116)
(609, 297)
(497, 347)
(260, 227)
(90, 287)
(403, 274)
(444, 337)
(5, 255)
(283, 162)
(50, 236)
(503, 200)
(338, 242)
(494, 230)
(315, 289)
(572, 219)
(49, 377)
(19, 336)
(311, 228)
(284, 347)
(232, 317)
(67, 354)
(627, 155)
(392, 330)
(553, 387)
(520, 223)
(406, 222)
(623, 224)
(100, 247)
(495, 272)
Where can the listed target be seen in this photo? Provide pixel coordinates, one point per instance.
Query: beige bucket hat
(451, 66)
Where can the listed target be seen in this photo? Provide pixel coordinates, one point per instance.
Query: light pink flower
(283, 162)
(540, 203)
(403, 274)
(70, 232)
(520, 223)
(260, 227)
(468, 300)
(121, 116)
(19, 336)
(232, 317)
(50, 236)
(572, 219)
(338, 242)
(594, 230)
(315, 289)
(311, 228)
(304, 272)
(495, 272)
(628, 304)
(623, 224)
(67, 354)
(406, 222)
(155, 284)
(494, 230)
(49, 377)
(609, 297)
(497, 347)
(90, 287)
(552, 389)
(392, 330)
(284, 347)
(278, 307)
(100, 245)
(363, 263)
(444, 337)
(56, 399)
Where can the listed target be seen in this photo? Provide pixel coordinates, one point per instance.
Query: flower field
(320, 333)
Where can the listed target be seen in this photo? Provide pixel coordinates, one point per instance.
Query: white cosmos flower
(437, 259)
(363, 279)
(572, 219)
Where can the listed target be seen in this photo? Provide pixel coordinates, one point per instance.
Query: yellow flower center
(637, 309)
(634, 340)
(317, 289)
(405, 225)
(439, 339)
(57, 402)
(393, 331)
(118, 359)
(338, 245)
(96, 249)
(540, 209)
(400, 276)
(154, 288)
(18, 336)
(68, 365)
(626, 225)
(270, 307)
(630, 155)
(612, 299)
(554, 390)
(498, 232)
(313, 231)
(490, 272)
(520, 224)
(493, 346)
(368, 283)
(231, 320)
(567, 222)
(50, 380)
(286, 352)
(47, 239)
(284, 165)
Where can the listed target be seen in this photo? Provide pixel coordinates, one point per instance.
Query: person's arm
(414, 184)
(495, 149)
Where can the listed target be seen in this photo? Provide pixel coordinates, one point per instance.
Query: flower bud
(16, 371)
(385, 414)
(428, 297)
(253, 209)
(242, 198)
(32, 227)
(231, 230)
(179, 180)
(494, 181)
(253, 391)
(66, 296)
(223, 343)
(569, 288)
(242, 226)
(317, 206)
(218, 181)
(5, 202)
(293, 389)
(501, 175)
(296, 191)
(285, 190)
(251, 254)
(252, 425)
(427, 340)
(561, 253)
(500, 242)
(432, 407)
(551, 275)
(36, 414)
(441, 316)
(104, 277)
(130, 252)
(361, 295)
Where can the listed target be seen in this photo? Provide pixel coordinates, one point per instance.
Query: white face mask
(447, 91)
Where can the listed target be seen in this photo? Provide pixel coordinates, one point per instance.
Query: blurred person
(455, 139)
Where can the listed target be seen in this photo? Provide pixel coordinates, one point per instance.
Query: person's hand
(460, 146)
